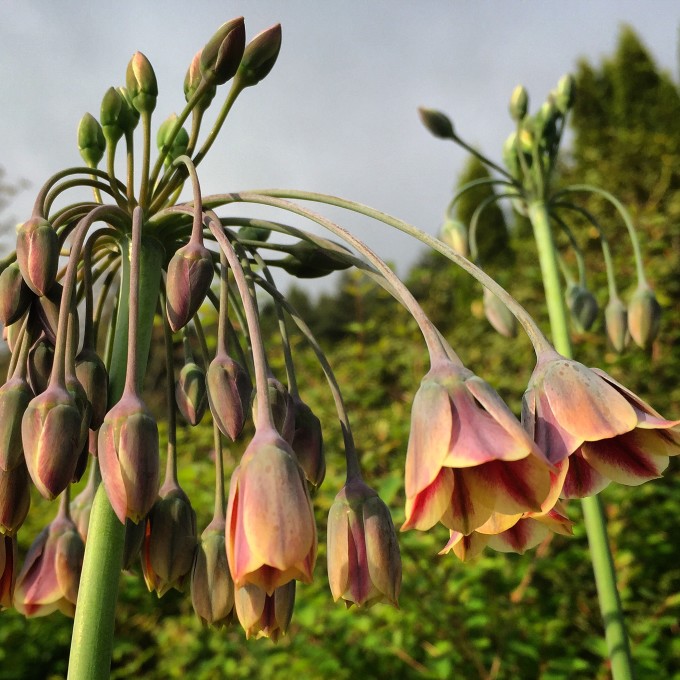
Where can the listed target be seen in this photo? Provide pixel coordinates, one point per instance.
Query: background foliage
(501, 616)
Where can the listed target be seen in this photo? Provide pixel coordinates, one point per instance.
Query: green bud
(455, 234)
(565, 93)
(519, 103)
(169, 541)
(583, 307)
(616, 323)
(38, 254)
(179, 144)
(229, 392)
(259, 57)
(112, 110)
(308, 261)
(141, 83)
(498, 315)
(15, 498)
(222, 54)
(91, 373)
(644, 316)
(307, 443)
(438, 123)
(15, 395)
(129, 116)
(134, 540)
(191, 393)
(15, 295)
(91, 142)
(254, 234)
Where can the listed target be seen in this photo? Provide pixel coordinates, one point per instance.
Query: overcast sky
(338, 112)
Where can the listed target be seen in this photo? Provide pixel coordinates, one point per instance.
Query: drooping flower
(585, 420)
(265, 615)
(364, 565)
(8, 570)
(468, 456)
(271, 533)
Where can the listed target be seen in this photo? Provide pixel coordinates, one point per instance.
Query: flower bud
(91, 142)
(50, 575)
(38, 254)
(564, 95)
(46, 309)
(259, 57)
(15, 395)
(81, 507)
(307, 443)
(76, 390)
(141, 83)
(134, 540)
(437, 123)
(129, 459)
(264, 615)
(229, 392)
(308, 261)
(455, 234)
(498, 315)
(193, 79)
(179, 143)
(128, 118)
(283, 408)
(253, 233)
(644, 317)
(51, 433)
(519, 103)
(8, 570)
(15, 295)
(169, 541)
(364, 565)
(190, 273)
(191, 393)
(221, 56)
(92, 375)
(582, 306)
(40, 360)
(112, 109)
(15, 498)
(212, 589)
(616, 323)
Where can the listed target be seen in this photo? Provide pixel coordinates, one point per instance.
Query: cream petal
(465, 547)
(523, 536)
(470, 506)
(556, 442)
(498, 523)
(425, 509)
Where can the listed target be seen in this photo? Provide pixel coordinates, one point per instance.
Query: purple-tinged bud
(190, 272)
(129, 458)
(77, 391)
(582, 306)
(50, 575)
(15, 395)
(111, 112)
(92, 375)
(437, 123)
(8, 570)
(134, 540)
(179, 143)
(212, 588)
(169, 541)
(265, 615)
(283, 408)
(51, 433)
(81, 508)
(229, 393)
(499, 316)
(193, 79)
(40, 360)
(307, 443)
(15, 498)
(565, 93)
(455, 234)
(141, 83)
(259, 57)
(364, 564)
(644, 316)
(38, 254)
(15, 295)
(91, 141)
(519, 103)
(46, 311)
(191, 393)
(221, 56)
(616, 323)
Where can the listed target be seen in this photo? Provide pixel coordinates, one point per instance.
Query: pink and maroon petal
(524, 535)
(556, 442)
(425, 509)
(582, 479)
(465, 547)
(469, 507)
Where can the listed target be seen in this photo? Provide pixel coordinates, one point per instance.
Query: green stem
(92, 641)
(593, 512)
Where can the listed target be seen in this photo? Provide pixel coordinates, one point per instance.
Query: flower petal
(524, 535)
(470, 506)
(425, 509)
(582, 479)
(465, 547)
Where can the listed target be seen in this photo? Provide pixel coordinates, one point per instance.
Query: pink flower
(265, 614)
(600, 431)
(271, 533)
(468, 456)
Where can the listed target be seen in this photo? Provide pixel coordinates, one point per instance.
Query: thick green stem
(92, 641)
(593, 512)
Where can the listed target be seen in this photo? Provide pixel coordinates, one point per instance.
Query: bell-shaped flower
(468, 455)
(271, 534)
(265, 615)
(212, 588)
(50, 575)
(169, 541)
(585, 420)
(364, 564)
(8, 570)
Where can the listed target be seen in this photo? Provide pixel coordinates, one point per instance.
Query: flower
(50, 575)
(262, 614)
(583, 419)
(271, 533)
(468, 456)
(364, 565)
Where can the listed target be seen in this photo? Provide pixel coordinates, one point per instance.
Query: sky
(338, 114)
